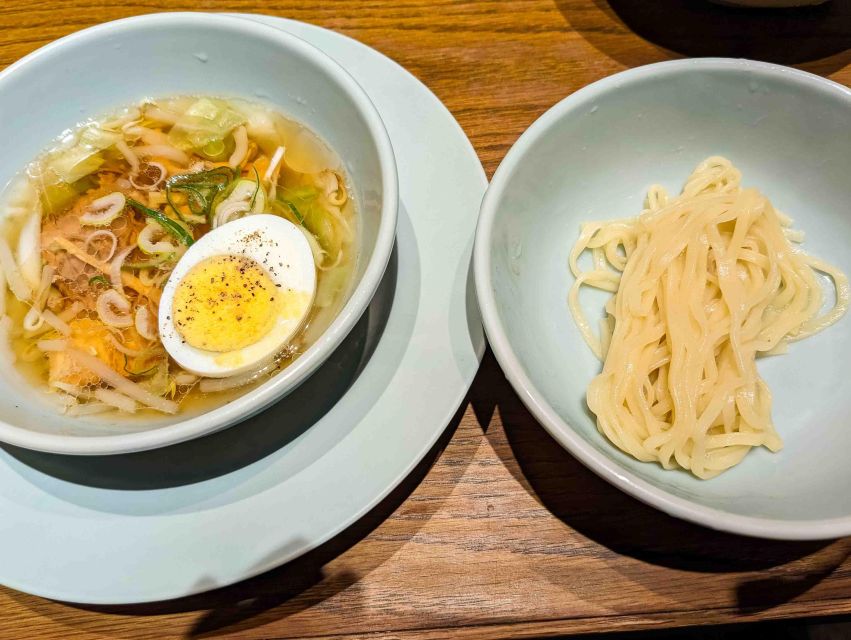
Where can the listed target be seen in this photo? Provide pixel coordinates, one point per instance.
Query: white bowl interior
(117, 65)
(593, 157)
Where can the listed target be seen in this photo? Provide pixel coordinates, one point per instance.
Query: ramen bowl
(592, 157)
(92, 72)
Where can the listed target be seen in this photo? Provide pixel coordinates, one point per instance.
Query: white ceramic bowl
(116, 64)
(592, 156)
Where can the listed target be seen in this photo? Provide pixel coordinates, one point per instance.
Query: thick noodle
(702, 283)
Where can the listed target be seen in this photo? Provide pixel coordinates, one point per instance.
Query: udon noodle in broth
(93, 229)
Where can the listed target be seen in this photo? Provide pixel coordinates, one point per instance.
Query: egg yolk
(225, 303)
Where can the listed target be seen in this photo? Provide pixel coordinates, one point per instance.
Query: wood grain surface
(499, 533)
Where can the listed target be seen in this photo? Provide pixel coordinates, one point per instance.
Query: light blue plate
(592, 157)
(210, 512)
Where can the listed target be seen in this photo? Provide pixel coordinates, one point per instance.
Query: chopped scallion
(164, 221)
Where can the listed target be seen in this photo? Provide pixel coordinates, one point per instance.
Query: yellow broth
(64, 187)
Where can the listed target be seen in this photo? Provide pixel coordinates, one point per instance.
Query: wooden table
(499, 533)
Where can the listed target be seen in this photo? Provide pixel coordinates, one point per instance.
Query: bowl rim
(560, 429)
(257, 399)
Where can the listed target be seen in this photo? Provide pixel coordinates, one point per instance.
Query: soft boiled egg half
(238, 296)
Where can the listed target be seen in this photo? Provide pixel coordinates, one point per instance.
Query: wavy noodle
(702, 283)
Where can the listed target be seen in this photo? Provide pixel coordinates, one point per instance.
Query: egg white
(282, 250)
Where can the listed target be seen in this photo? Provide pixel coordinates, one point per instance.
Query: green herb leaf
(98, 280)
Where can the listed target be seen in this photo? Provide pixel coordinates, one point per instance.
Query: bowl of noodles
(661, 265)
(186, 235)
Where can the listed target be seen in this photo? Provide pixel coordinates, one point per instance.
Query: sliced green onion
(167, 223)
(195, 198)
(214, 148)
(295, 211)
(220, 176)
(188, 218)
(148, 264)
(201, 189)
(257, 190)
(150, 243)
(104, 210)
(99, 280)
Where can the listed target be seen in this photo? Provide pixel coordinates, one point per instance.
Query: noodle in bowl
(703, 283)
(775, 461)
(197, 56)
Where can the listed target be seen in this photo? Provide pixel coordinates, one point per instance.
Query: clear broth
(304, 194)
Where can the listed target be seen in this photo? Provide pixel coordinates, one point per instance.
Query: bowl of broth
(186, 235)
